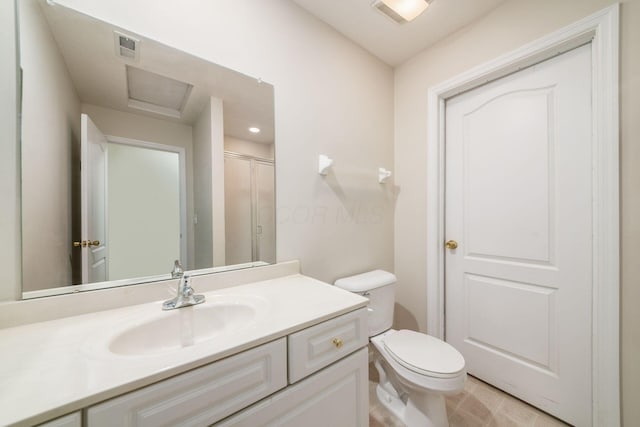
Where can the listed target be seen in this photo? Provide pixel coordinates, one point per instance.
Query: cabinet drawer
(202, 396)
(316, 347)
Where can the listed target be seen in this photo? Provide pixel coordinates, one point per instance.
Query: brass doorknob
(451, 244)
(86, 243)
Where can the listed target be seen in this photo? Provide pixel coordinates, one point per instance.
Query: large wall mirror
(135, 154)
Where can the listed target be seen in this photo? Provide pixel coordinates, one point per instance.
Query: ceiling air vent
(155, 93)
(127, 47)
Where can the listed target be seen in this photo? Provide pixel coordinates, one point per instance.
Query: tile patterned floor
(478, 405)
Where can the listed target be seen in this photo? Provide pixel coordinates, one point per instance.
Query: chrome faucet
(177, 271)
(185, 295)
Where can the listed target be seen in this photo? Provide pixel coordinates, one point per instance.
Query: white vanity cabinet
(317, 376)
(299, 361)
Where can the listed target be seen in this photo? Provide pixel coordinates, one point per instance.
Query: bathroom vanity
(289, 350)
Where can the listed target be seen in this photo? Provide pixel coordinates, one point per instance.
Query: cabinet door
(201, 396)
(336, 396)
(71, 420)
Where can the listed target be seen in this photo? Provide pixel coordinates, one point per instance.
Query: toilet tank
(379, 287)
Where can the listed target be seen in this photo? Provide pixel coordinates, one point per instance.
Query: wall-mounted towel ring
(383, 175)
(324, 163)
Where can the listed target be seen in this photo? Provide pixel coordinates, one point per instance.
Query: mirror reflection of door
(249, 209)
(93, 203)
(131, 209)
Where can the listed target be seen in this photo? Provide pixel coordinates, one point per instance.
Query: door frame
(601, 30)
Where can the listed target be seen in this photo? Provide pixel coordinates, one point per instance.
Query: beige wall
(208, 142)
(50, 146)
(143, 128)
(217, 181)
(509, 26)
(202, 180)
(331, 97)
(630, 209)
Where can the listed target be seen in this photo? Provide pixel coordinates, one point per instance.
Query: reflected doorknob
(86, 243)
(451, 244)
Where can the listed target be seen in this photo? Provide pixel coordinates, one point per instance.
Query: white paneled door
(93, 201)
(519, 206)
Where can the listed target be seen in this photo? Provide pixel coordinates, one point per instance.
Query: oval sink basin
(188, 326)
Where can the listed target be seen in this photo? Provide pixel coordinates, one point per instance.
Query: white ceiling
(99, 76)
(391, 42)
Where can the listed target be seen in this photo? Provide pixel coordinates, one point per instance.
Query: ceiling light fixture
(401, 11)
(254, 130)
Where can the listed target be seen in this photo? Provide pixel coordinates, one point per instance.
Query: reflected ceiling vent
(155, 93)
(127, 47)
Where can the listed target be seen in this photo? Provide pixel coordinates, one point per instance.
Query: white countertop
(52, 368)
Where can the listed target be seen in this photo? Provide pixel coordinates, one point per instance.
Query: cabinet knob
(337, 342)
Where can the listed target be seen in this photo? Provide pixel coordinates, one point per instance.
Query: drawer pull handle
(337, 342)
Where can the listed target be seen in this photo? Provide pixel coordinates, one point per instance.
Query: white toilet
(416, 370)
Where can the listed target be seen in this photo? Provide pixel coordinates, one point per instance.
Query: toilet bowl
(416, 370)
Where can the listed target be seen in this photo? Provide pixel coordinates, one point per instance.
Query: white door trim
(601, 29)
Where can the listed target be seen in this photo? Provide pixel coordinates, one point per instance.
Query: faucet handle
(177, 271)
(185, 287)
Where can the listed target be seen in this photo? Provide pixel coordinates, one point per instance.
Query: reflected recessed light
(254, 130)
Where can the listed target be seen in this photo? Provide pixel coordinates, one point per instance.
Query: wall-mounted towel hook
(383, 175)
(324, 163)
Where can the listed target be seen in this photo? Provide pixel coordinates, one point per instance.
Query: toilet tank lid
(366, 281)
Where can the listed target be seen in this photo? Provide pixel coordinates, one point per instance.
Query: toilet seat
(424, 354)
